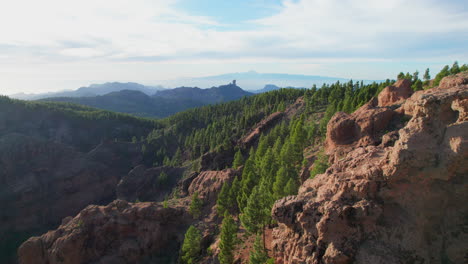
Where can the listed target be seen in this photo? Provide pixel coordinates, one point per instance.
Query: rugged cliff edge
(396, 191)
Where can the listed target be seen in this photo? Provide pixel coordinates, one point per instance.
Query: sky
(52, 45)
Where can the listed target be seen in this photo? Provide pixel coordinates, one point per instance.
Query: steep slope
(395, 192)
(55, 159)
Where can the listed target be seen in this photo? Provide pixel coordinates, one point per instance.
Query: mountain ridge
(161, 104)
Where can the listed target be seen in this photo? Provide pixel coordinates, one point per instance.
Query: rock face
(400, 201)
(395, 93)
(455, 80)
(209, 183)
(363, 127)
(124, 232)
(120, 232)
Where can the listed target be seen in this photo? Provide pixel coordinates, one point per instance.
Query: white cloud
(121, 29)
(305, 32)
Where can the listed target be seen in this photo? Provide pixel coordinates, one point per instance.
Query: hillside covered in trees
(255, 151)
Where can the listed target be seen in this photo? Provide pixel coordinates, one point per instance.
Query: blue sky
(55, 44)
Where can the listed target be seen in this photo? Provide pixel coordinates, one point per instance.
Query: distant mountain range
(92, 90)
(162, 104)
(253, 80)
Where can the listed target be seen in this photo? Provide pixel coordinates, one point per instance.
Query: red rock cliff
(396, 191)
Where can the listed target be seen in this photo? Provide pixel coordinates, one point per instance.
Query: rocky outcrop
(124, 232)
(363, 127)
(395, 93)
(400, 201)
(454, 80)
(120, 232)
(209, 183)
(152, 184)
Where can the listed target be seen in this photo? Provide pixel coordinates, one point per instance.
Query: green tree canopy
(196, 205)
(238, 160)
(258, 255)
(191, 246)
(228, 240)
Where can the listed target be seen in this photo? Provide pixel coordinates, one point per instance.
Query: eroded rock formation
(123, 232)
(395, 93)
(398, 198)
(120, 232)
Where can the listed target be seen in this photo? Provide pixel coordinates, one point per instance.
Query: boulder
(363, 127)
(395, 93)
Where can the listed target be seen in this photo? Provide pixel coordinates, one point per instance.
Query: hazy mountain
(212, 95)
(252, 80)
(162, 104)
(92, 90)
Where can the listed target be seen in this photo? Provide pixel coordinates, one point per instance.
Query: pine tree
(320, 165)
(177, 159)
(281, 180)
(228, 240)
(443, 73)
(291, 187)
(258, 255)
(223, 199)
(415, 76)
(162, 179)
(427, 76)
(238, 160)
(463, 68)
(249, 180)
(196, 205)
(268, 167)
(191, 246)
(233, 193)
(455, 68)
(256, 214)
